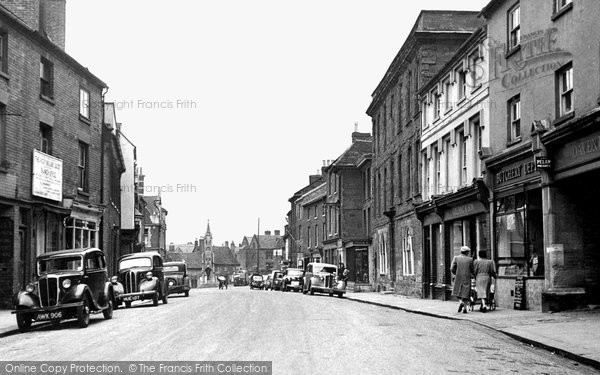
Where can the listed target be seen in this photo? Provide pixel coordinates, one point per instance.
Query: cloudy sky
(233, 103)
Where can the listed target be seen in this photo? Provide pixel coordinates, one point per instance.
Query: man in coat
(462, 268)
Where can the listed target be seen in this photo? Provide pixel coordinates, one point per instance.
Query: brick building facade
(395, 111)
(50, 143)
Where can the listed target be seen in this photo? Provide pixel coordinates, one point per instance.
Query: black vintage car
(142, 277)
(177, 278)
(257, 281)
(70, 284)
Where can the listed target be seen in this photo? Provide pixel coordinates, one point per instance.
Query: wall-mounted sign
(516, 172)
(543, 162)
(47, 176)
(577, 152)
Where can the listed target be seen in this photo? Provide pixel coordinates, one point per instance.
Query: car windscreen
(171, 269)
(68, 263)
(294, 273)
(257, 278)
(135, 262)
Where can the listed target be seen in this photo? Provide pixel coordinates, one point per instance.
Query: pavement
(572, 334)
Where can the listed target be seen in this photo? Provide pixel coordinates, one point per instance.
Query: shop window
(408, 258)
(519, 234)
(361, 257)
(80, 234)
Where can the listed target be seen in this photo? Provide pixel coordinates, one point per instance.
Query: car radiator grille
(329, 281)
(131, 282)
(49, 291)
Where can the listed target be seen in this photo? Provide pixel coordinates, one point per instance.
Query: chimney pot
(267, 233)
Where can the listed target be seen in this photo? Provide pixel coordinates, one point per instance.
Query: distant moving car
(240, 278)
(323, 278)
(292, 279)
(177, 278)
(70, 284)
(256, 281)
(142, 277)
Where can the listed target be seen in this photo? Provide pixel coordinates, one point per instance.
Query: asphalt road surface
(301, 334)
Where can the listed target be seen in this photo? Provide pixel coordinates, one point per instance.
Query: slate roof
(224, 256)
(269, 241)
(186, 248)
(354, 153)
(193, 260)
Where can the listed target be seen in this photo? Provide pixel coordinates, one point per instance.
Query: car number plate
(131, 298)
(49, 315)
(295, 283)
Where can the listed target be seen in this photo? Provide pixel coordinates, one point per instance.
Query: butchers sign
(47, 176)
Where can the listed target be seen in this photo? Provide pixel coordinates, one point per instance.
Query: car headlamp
(171, 283)
(30, 288)
(66, 283)
(149, 275)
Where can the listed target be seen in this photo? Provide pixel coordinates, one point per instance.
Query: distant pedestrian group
(483, 270)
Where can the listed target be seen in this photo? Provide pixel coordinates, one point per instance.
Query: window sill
(47, 99)
(85, 119)
(448, 110)
(564, 10)
(461, 100)
(4, 75)
(81, 192)
(514, 142)
(476, 88)
(561, 120)
(513, 51)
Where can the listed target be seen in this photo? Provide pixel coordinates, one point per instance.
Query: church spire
(208, 229)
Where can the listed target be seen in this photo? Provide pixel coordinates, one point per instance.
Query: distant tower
(208, 237)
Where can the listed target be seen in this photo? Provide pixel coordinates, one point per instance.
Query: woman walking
(485, 270)
(462, 268)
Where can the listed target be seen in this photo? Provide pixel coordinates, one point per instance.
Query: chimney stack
(48, 17)
(313, 178)
(277, 232)
(267, 233)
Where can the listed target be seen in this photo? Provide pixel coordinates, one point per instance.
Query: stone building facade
(395, 169)
(545, 80)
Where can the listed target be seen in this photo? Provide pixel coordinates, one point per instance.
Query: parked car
(292, 279)
(323, 278)
(177, 278)
(142, 277)
(70, 284)
(268, 282)
(277, 278)
(256, 281)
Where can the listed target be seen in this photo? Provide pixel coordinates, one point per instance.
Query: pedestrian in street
(462, 269)
(484, 271)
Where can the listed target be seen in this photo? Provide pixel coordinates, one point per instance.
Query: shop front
(516, 216)
(450, 222)
(571, 211)
(355, 257)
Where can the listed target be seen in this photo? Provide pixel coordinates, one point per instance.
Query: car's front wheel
(83, 314)
(23, 322)
(108, 311)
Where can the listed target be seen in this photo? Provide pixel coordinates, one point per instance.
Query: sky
(232, 104)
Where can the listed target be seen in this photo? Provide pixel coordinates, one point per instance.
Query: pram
(473, 300)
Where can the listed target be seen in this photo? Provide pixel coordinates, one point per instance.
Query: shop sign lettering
(588, 146)
(515, 172)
